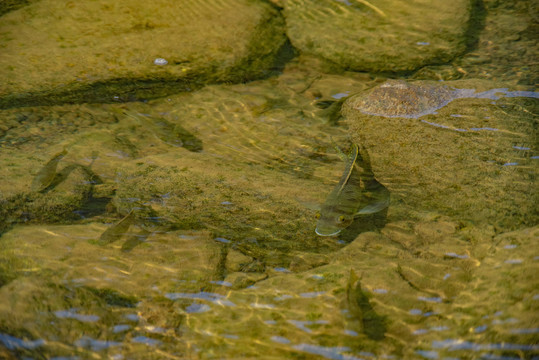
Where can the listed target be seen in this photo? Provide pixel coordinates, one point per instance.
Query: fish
(46, 175)
(175, 135)
(169, 133)
(116, 231)
(361, 312)
(357, 193)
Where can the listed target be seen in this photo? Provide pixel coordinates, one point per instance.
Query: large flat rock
(463, 148)
(379, 35)
(56, 52)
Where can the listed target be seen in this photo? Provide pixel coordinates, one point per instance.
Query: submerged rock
(378, 35)
(79, 315)
(464, 147)
(398, 98)
(422, 277)
(103, 52)
(261, 225)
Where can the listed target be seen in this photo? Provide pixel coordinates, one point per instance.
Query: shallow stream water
(183, 227)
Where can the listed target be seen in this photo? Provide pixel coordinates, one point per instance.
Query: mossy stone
(97, 51)
(379, 35)
(471, 159)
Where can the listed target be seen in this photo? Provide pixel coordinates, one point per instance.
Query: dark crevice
(12, 5)
(105, 92)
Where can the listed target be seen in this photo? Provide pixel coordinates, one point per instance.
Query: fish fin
(311, 205)
(116, 231)
(374, 207)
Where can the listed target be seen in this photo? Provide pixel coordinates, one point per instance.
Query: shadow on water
(94, 206)
(364, 223)
(284, 55)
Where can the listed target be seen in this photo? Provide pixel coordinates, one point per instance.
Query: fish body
(116, 231)
(361, 312)
(357, 193)
(167, 132)
(46, 175)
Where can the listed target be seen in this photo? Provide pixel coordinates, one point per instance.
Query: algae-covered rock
(85, 316)
(379, 35)
(426, 293)
(72, 250)
(464, 148)
(97, 51)
(262, 225)
(432, 295)
(223, 130)
(506, 45)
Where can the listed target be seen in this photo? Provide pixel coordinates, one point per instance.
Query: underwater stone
(194, 202)
(398, 98)
(443, 147)
(379, 35)
(101, 49)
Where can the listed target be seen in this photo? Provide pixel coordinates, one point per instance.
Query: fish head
(332, 222)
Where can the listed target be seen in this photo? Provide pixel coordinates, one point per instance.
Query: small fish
(46, 175)
(116, 231)
(357, 193)
(173, 134)
(361, 312)
(167, 132)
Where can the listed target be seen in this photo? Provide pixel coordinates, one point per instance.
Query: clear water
(216, 255)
